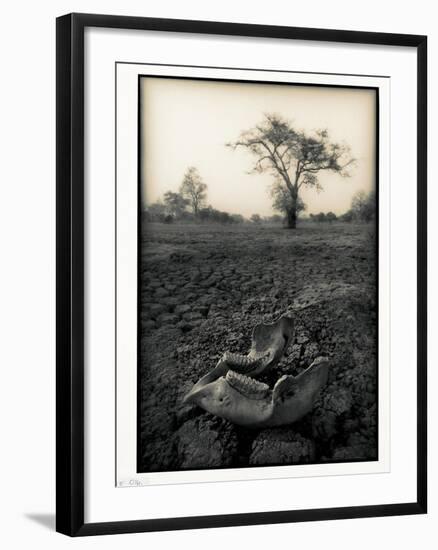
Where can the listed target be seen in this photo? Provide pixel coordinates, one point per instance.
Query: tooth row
(245, 361)
(247, 386)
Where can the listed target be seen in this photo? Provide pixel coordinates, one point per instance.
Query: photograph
(241, 274)
(257, 274)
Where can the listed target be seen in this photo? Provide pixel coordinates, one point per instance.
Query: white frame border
(127, 76)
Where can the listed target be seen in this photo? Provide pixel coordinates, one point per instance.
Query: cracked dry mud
(204, 287)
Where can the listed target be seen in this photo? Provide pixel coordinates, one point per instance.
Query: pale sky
(187, 123)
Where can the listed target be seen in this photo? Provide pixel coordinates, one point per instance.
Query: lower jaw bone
(252, 404)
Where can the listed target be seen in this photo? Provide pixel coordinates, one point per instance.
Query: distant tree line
(363, 209)
(210, 214)
(323, 217)
(190, 204)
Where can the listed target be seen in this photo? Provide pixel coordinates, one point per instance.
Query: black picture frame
(70, 273)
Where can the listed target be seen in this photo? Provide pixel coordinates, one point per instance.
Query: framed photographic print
(241, 274)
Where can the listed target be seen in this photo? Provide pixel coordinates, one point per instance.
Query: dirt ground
(202, 290)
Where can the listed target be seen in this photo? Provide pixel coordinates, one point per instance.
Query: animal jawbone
(230, 390)
(250, 403)
(268, 345)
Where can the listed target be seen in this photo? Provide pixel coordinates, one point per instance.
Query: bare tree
(293, 157)
(194, 189)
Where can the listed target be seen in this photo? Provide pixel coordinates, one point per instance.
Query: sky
(188, 122)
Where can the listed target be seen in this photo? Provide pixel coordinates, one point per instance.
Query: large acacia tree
(293, 157)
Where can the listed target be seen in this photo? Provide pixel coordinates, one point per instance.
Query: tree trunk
(292, 218)
(291, 212)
